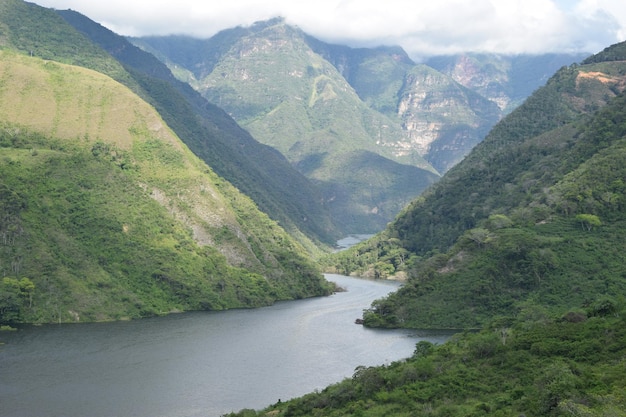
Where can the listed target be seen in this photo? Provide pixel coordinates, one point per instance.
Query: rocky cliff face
(504, 79)
(443, 119)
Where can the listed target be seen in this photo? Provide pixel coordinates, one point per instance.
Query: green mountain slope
(287, 87)
(109, 215)
(533, 217)
(288, 97)
(257, 170)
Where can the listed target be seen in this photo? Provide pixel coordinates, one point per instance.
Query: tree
(479, 236)
(27, 288)
(9, 300)
(13, 296)
(588, 221)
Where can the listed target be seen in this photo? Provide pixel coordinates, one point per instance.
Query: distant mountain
(286, 87)
(441, 119)
(504, 79)
(532, 219)
(270, 81)
(257, 170)
(104, 212)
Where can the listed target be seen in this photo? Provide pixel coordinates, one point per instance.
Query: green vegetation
(288, 97)
(287, 89)
(532, 216)
(522, 240)
(538, 366)
(256, 170)
(110, 216)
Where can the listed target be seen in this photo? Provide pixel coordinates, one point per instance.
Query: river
(196, 364)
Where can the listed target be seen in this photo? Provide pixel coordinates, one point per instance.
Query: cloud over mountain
(421, 28)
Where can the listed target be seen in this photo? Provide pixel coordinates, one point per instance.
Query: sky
(422, 27)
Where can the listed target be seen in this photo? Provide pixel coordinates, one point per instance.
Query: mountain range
(531, 218)
(520, 247)
(123, 194)
(402, 124)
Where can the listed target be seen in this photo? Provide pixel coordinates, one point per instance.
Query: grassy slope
(259, 171)
(110, 215)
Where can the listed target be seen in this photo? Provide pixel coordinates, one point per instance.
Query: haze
(422, 28)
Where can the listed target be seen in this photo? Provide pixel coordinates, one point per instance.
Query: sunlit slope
(257, 170)
(110, 215)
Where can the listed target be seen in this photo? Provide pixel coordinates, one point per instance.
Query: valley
(147, 181)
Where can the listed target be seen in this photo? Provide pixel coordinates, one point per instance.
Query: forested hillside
(540, 366)
(259, 171)
(105, 212)
(533, 217)
(521, 248)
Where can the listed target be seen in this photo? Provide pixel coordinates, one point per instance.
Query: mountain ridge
(270, 76)
(262, 173)
(106, 213)
(510, 224)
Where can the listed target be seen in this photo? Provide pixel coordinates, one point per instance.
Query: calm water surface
(196, 364)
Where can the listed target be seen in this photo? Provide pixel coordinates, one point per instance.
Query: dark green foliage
(615, 52)
(532, 217)
(548, 368)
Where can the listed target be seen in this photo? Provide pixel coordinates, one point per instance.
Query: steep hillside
(504, 79)
(288, 97)
(257, 170)
(287, 87)
(531, 219)
(107, 214)
(442, 120)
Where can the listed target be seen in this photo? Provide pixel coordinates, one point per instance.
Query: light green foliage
(588, 221)
(129, 225)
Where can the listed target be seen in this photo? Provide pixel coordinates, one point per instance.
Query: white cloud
(421, 28)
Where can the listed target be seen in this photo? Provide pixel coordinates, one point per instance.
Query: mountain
(275, 86)
(105, 212)
(257, 170)
(507, 80)
(531, 219)
(285, 87)
(441, 119)
(534, 222)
